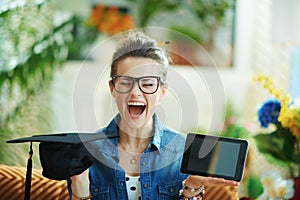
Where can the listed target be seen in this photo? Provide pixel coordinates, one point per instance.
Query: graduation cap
(62, 155)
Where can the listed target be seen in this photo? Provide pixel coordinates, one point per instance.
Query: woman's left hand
(194, 181)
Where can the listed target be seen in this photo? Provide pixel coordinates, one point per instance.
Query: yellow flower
(288, 117)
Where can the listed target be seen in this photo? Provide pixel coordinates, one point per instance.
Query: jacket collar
(110, 146)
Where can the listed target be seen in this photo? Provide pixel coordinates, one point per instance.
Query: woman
(144, 162)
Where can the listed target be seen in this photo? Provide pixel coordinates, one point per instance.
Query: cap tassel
(28, 174)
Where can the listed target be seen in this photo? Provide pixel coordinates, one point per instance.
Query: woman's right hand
(81, 184)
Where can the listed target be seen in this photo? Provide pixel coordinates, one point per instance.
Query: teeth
(136, 104)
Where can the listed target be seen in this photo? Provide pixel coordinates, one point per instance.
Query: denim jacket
(160, 175)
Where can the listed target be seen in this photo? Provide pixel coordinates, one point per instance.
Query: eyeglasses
(147, 84)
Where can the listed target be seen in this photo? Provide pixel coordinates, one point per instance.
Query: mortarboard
(62, 155)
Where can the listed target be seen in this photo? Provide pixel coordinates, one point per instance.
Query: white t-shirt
(133, 186)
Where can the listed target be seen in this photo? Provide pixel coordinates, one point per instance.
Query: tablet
(214, 156)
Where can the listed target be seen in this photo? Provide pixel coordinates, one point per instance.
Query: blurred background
(55, 56)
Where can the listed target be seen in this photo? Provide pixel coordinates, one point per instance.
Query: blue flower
(268, 112)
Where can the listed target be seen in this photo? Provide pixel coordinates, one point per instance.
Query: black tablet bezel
(242, 155)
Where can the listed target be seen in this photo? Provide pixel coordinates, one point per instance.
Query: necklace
(133, 160)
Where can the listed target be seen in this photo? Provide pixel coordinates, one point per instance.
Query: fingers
(80, 184)
(196, 181)
(210, 181)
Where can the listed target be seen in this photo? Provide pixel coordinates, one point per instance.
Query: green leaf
(254, 187)
(278, 146)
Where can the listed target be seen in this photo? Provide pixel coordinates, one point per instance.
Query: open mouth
(136, 108)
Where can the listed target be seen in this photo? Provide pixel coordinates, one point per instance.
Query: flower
(275, 187)
(111, 19)
(289, 115)
(281, 146)
(268, 113)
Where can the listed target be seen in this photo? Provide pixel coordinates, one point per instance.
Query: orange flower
(111, 20)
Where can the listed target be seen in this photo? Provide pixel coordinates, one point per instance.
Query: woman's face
(135, 107)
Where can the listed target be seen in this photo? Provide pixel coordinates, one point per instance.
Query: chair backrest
(12, 185)
(221, 193)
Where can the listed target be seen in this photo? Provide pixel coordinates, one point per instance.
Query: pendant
(133, 161)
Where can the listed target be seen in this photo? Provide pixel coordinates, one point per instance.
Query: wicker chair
(221, 193)
(12, 185)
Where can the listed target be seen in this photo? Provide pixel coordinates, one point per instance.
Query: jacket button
(171, 190)
(143, 163)
(145, 185)
(96, 189)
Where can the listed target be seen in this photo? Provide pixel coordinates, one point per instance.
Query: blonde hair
(138, 44)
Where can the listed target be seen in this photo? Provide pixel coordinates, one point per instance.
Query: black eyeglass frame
(137, 80)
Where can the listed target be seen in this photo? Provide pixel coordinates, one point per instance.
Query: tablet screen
(214, 156)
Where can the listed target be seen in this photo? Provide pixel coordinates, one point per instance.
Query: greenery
(211, 14)
(31, 117)
(278, 147)
(147, 9)
(235, 129)
(254, 186)
(84, 35)
(34, 43)
(208, 14)
(281, 145)
(28, 47)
